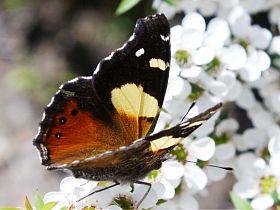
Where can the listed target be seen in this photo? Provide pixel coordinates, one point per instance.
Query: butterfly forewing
(132, 81)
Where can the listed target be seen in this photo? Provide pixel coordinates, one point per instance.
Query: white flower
(258, 136)
(259, 37)
(233, 57)
(246, 100)
(275, 45)
(249, 166)
(257, 62)
(71, 189)
(262, 202)
(228, 126)
(240, 22)
(172, 170)
(202, 149)
(194, 177)
(274, 145)
(217, 33)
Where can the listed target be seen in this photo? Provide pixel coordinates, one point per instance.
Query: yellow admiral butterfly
(100, 127)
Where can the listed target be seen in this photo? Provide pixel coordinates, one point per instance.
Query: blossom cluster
(228, 59)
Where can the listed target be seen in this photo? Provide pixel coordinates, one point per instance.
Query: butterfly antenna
(214, 166)
(191, 106)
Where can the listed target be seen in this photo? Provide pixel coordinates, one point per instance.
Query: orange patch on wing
(76, 136)
(132, 127)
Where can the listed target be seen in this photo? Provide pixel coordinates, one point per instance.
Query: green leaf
(153, 174)
(170, 2)
(39, 203)
(14, 4)
(28, 204)
(49, 205)
(160, 201)
(126, 5)
(239, 203)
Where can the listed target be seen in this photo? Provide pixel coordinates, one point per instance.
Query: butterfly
(101, 127)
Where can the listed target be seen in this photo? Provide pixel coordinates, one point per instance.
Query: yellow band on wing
(164, 143)
(132, 100)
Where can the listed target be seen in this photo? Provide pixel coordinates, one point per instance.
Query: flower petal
(239, 21)
(194, 177)
(194, 21)
(262, 202)
(172, 169)
(203, 148)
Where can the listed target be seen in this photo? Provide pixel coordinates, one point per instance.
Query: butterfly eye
(58, 135)
(74, 112)
(62, 120)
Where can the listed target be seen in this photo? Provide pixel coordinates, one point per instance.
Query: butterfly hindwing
(74, 125)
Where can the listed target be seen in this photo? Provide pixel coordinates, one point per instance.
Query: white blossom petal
(254, 138)
(172, 170)
(217, 33)
(249, 165)
(169, 190)
(149, 201)
(239, 21)
(207, 8)
(274, 145)
(246, 99)
(274, 164)
(218, 88)
(274, 15)
(224, 152)
(229, 126)
(262, 202)
(202, 149)
(259, 37)
(194, 21)
(191, 72)
(246, 188)
(195, 178)
(187, 201)
(203, 56)
(215, 174)
(234, 57)
(275, 45)
(179, 88)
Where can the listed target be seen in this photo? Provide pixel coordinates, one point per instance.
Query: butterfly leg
(100, 190)
(146, 193)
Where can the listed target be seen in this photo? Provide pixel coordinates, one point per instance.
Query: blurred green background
(43, 44)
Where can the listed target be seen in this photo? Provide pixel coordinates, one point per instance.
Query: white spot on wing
(139, 52)
(164, 38)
